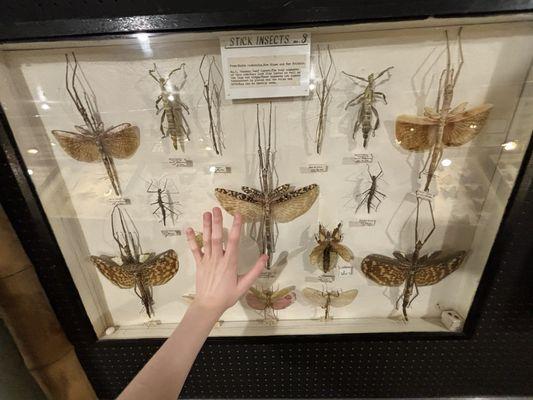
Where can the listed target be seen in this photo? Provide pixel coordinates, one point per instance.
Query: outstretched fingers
(216, 238)
(233, 238)
(207, 229)
(193, 245)
(246, 280)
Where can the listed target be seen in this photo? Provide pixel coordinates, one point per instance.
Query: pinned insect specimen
(93, 143)
(413, 270)
(323, 89)
(212, 81)
(269, 301)
(172, 109)
(372, 197)
(165, 205)
(443, 126)
(367, 99)
(329, 248)
(267, 205)
(329, 298)
(135, 269)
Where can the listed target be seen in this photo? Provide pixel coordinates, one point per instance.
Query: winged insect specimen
(327, 71)
(165, 206)
(329, 298)
(133, 268)
(372, 197)
(444, 126)
(267, 205)
(328, 249)
(269, 301)
(173, 122)
(412, 270)
(212, 81)
(366, 101)
(92, 142)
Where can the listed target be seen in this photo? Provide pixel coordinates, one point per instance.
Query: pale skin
(218, 287)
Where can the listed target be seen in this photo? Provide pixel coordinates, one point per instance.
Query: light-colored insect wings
(438, 268)
(343, 251)
(78, 146)
(256, 299)
(283, 298)
(415, 133)
(250, 209)
(316, 254)
(315, 296)
(161, 268)
(114, 272)
(384, 270)
(463, 127)
(294, 203)
(344, 298)
(121, 141)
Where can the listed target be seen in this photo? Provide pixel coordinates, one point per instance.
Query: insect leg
(162, 123)
(354, 101)
(384, 195)
(415, 296)
(376, 126)
(382, 72)
(362, 202)
(382, 95)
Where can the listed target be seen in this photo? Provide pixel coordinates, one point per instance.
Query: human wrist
(207, 309)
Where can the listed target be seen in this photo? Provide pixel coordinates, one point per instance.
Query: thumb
(246, 280)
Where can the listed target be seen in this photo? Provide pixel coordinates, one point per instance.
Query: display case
(377, 163)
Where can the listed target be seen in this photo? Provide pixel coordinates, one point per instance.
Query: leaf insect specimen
(413, 270)
(137, 270)
(372, 197)
(324, 84)
(212, 91)
(165, 207)
(268, 204)
(443, 126)
(173, 121)
(93, 143)
(269, 301)
(366, 100)
(328, 249)
(329, 298)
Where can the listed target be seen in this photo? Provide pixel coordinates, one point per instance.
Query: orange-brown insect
(329, 298)
(329, 248)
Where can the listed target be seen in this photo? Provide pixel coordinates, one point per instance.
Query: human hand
(218, 286)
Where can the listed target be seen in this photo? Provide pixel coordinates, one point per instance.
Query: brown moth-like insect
(269, 301)
(92, 142)
(443, 126)
(267, 205)
(413, 269)
(329, 248)
(137, 270)
(329, 298)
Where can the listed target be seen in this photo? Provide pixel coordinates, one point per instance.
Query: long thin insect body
(372, 197)
(164, 206)
(212, 97)
(324, 85)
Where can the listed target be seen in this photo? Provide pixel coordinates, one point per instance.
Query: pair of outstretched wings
(416, 133)
(120, 141)
(318, 255)
(284, 208)
(336, 299)
(278, 300)
(430, 269)
(157, 270)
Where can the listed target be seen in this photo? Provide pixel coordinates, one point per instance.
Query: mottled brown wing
(463, 127)
(415, 133)
(121, 141)
(294, 203)
(344, 298)
(316, 254)
(250, 209)
(315, 296)
(343, 251)
(439, 268)
(79, 147)
(114, 272)
(384, 270)
(161, 268)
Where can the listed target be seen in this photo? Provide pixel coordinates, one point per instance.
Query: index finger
(234, 236)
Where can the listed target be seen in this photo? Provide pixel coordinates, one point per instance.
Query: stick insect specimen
(323, 89)
(165, 206)
(172, 109)
(367, 99)
(268, 204)
(329, 298)
(443, 126)
(413, 270)
(269, 301)
(93, 143)
(212, 91)
(372, 197)
(137, 270)
(329, 248)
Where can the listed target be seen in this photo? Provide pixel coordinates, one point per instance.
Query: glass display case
(373, 163)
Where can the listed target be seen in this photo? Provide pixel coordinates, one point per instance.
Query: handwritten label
(119, 201)
(362, 222)
(326, 278)
(269, 64)
(171, 232)
(180, 162)
(314, 168)
(267, 274)
(219, 169)
(346, 270)
(358, 159)
(423, 195)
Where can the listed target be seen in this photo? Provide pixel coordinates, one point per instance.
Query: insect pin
(326, 299)
(328, 249)
(366, 102)
(371, 197)
(269, 301)
(165, 206)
